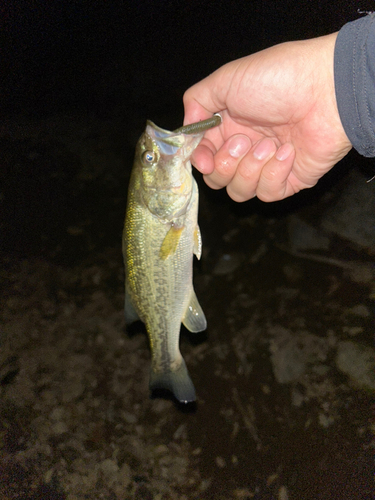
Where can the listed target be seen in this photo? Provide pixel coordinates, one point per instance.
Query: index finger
(208, 96)
(203, 157)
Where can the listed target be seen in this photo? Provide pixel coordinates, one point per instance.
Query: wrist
(325, 76)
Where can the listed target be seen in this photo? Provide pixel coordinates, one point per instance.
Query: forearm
(354, 67)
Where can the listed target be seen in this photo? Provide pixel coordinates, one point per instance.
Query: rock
(287, 358)
(288, 363)
(109, 467)
(352, 217)
(227, 264)
(220, 462)
(358, 363)
(303, 236)
(360, 310)
(59, 428)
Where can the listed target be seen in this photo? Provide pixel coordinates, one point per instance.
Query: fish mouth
(170, 143)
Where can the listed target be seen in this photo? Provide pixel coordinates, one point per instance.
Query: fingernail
(264, 149)
(284, 151)
(239, 145)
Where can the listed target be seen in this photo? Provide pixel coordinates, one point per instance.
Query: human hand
(281, 130)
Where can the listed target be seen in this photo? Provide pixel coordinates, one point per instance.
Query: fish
(160, 236)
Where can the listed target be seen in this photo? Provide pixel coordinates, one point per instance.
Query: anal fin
(194, 319)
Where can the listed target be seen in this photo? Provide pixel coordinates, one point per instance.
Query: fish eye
(148, 157)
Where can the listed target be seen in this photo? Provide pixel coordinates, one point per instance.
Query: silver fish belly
(161, 234)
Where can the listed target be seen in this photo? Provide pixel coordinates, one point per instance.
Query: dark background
(139, 57)
(119, 64)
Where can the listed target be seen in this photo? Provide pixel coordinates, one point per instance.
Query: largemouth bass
(161, 234)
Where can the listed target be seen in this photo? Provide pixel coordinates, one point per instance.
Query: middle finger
(226, 161)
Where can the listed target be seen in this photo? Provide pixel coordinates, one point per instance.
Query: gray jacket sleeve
(354, 68)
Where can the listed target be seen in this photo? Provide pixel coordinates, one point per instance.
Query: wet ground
(284, 373)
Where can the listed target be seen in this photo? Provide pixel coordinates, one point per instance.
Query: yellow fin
(197, 242)
(169, 245)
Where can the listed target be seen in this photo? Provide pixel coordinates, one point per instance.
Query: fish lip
(165, 134)
(168, 142)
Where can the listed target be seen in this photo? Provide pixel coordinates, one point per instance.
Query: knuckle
(237, 197)
(246, 171)
(267, 195)
(224, 166)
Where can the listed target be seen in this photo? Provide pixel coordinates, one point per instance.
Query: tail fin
(178, 382)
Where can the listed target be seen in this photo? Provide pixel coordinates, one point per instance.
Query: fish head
(166, 180)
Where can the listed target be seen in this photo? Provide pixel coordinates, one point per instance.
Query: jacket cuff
(354, 70)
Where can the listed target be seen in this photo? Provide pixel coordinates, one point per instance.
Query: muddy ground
(284, 373)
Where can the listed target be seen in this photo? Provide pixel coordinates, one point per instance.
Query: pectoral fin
(194, 319)
(197, 242)
(170, 242)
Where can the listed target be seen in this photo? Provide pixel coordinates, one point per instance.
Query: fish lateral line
(201, 126)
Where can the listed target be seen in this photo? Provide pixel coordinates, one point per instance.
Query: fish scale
(161, 234)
